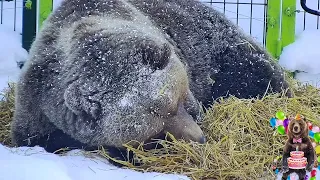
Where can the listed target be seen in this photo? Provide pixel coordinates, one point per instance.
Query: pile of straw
(241, 143)
(6, 113)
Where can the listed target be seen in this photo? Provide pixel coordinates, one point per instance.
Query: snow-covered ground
(34, 163)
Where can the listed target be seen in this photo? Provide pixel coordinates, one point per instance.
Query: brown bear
(106, 73)
(298, 137)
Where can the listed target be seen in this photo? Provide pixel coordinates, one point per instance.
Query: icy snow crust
(35, 163)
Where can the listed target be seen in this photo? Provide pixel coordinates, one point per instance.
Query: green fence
(280, 25)
(34, 13)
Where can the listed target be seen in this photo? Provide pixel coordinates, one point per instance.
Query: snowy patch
(308, 78)
(35, 163)
(11, 53)
(304, 56)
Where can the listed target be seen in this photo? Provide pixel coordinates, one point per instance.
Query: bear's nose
(295, 128)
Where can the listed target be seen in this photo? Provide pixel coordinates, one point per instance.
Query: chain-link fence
(307, 21)
(252, 15)
(11, 14)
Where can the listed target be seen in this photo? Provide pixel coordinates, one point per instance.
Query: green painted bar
(44, 11)
(29, 24)
(288, 22)
(273, 27)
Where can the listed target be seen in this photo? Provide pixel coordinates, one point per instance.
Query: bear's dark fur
(298, 129)
(102, 73)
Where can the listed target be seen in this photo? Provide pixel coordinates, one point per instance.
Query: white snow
(304, 56)
(11, 51)
(36, 164)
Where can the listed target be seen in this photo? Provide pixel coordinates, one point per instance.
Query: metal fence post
(273, 40)
(45, 8)
(29, 23)
(34, 13)
(288, 22)
(280, 25)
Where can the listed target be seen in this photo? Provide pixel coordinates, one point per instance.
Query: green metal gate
(34, 13)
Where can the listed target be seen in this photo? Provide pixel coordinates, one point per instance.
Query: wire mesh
(11, 14)
(249, 15)
(306, 21)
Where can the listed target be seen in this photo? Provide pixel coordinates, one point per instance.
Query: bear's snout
(296, 128)
(183, 126)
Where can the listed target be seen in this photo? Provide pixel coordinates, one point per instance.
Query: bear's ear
(155, 55)
(291, 117)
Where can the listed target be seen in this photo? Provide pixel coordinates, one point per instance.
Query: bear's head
(134, 84)
(297, 127)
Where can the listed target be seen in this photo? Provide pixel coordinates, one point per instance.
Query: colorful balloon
(282, 130)
(306, 177)
(317, 150)
(273, 122)
(309, 125)
(279, 123)
(316, 137)
(313, 178)
(286, 122)
(313, 173)
(311, 134)
(316, 129)
(280, 115)
(318, 159)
